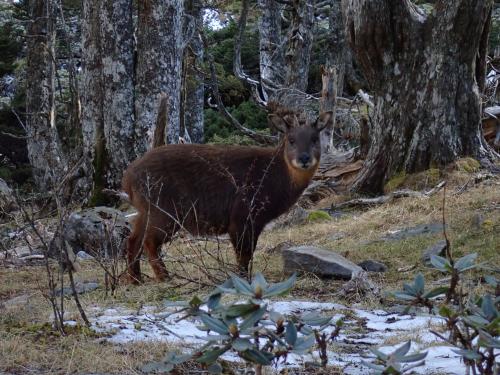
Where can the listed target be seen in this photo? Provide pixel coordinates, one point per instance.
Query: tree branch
(237, 68)
(261, 138)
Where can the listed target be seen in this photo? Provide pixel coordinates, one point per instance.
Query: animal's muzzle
(304, 160)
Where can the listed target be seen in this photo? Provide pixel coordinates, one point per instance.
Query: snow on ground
(362, 329)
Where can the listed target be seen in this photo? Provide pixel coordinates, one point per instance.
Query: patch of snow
(213, 20)
(163, 325)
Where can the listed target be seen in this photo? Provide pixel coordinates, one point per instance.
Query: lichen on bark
(422, 69)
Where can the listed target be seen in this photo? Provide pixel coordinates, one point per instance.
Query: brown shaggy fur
(218, 189)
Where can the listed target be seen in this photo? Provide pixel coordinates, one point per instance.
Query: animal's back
(196, 184)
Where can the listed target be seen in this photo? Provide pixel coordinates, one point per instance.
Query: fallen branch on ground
(389, 197)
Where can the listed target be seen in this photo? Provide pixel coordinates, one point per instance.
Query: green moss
(416, 181)
(469, 165)
(318, 216)
(395, 182)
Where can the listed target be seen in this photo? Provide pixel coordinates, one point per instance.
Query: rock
(336, 236)
(438, 248)
(7, 201)
(23, 299)
(359, 285)
(21, 251)
(373, 266)
(413, 231)
(33, 257)
(80, 289)
(478, 220)
(321, 262)
(84, 256)
(98, 231)
(296, 216)
(282, 246)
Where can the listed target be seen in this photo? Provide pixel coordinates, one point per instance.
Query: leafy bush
(472, 322)
(247, 113)
(393, 363)
(249, 329)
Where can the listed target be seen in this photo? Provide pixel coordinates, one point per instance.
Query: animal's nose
(304, 158)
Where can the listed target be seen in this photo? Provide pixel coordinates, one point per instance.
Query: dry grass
(27, 345)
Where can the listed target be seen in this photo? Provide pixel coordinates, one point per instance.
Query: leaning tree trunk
(107, 91)
(271, 51)
(422, 71)
(285, 54)
(159, 66)
(193, 88)
(338, 49)
(44, 149)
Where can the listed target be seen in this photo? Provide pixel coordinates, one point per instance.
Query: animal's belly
(206, 218)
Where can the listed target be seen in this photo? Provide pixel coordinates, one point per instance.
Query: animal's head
(301, 138)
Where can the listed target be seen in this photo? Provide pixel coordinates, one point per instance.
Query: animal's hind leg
(152, 246)
(134, 246)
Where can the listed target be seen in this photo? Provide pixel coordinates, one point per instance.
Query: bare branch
(237, 68)
(261, 138)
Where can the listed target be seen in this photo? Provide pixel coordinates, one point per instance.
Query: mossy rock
(395, 182)
(316, 216)
(469, 165)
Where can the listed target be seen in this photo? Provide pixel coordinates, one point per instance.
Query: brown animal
(219, 189)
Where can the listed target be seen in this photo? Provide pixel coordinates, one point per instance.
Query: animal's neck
(299, 178)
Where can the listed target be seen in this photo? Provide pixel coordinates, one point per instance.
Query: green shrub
(249, 329)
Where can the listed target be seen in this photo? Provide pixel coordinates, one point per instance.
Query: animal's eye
(291, 141)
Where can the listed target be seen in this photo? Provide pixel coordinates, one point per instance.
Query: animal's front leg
(244, 239)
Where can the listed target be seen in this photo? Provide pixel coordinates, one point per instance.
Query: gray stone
(336, 236)
(23, 299)
(373, 266)
(478, 220)
(438, 248)
(296, 216)
(21, 251)
(7, 201)
(84, 256)
(321, 262)
(98, 231)
(402, 234)
(80, 289)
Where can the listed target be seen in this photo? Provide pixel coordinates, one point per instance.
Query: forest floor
(29, 345)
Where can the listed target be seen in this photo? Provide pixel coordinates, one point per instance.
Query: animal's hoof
(128, 278)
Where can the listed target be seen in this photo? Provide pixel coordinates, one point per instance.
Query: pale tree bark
(159, 67)
(285, 53)
(44, 149)
(327, 103)
(338, 49)
(422, 70)
(193, 88)
(271, 44)
(108, 90)
(299, 44)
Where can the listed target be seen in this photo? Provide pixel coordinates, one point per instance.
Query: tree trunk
(44, 149)
(285, 59)
(299, 44)
(271, 47)
(159, 66)
(337, 53)
(328, 102)
(422, 70)
(108, 91)
(193, 88)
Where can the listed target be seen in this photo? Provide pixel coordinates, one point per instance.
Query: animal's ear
(324, 119)
(279, 123)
